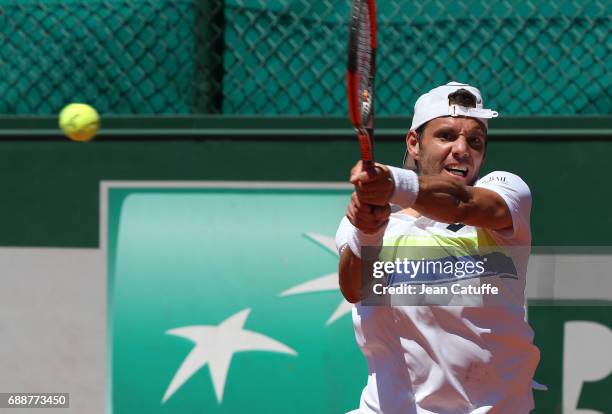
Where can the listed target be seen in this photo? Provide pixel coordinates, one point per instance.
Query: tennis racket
(360, 73)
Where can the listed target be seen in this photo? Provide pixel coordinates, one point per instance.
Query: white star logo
(322, 283)
(216, 346)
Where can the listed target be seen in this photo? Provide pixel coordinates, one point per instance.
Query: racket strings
(364, 62)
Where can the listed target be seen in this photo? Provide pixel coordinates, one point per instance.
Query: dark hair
(462, 97)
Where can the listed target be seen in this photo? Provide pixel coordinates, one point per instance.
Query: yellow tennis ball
(80, 122)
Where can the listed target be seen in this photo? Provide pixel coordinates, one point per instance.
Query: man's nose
(460, 147)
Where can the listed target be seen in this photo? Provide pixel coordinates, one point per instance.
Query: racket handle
(368, 165)
(366, 151)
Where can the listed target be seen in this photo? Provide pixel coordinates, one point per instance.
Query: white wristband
(406, 187)
(358, 239)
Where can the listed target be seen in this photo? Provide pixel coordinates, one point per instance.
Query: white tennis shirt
(453, 359)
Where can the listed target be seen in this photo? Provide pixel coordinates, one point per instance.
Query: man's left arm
(440, 198)
(446, 200)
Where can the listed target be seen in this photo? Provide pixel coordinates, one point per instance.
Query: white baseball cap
(435, 104)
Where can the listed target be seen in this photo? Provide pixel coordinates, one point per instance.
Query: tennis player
(454, 358)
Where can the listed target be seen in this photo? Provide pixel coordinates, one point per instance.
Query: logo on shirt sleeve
(496, 178)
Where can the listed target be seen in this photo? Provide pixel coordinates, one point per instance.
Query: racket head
(361, 69)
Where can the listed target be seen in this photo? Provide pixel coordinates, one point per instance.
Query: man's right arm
(350, 276)
(364, 225)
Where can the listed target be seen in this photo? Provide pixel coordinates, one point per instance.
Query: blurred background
(212, 110)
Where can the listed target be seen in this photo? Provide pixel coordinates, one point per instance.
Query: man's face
(450, 146)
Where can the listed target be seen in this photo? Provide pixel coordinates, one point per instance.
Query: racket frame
(363, 128)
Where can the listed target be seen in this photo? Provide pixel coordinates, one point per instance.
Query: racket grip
(366, 152)
(366, 147)
(368, 165)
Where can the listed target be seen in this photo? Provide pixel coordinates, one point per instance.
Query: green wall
(51, 188)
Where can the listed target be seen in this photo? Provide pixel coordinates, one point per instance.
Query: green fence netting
(287, 57)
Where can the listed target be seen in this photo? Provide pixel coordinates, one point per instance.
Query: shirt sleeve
(517, 196)
(343, 232)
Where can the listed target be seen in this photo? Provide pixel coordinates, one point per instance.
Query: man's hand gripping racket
(367, 211)
(373, 183)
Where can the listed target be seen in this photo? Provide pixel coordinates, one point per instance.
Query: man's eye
(445, 135)
(476, 142)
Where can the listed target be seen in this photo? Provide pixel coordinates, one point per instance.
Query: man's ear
(413, 145)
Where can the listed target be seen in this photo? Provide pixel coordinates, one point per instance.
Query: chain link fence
(288, 57)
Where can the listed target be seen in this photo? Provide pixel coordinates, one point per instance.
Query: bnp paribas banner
(223, 298)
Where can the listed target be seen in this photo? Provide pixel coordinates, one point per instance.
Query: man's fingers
(365, 177)
(378, 194)
(365, 214)
(355, 199)
(375, 187)
(366, 217)
(382, 212)
(358, 174)
(357, 168)
(373, 199)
